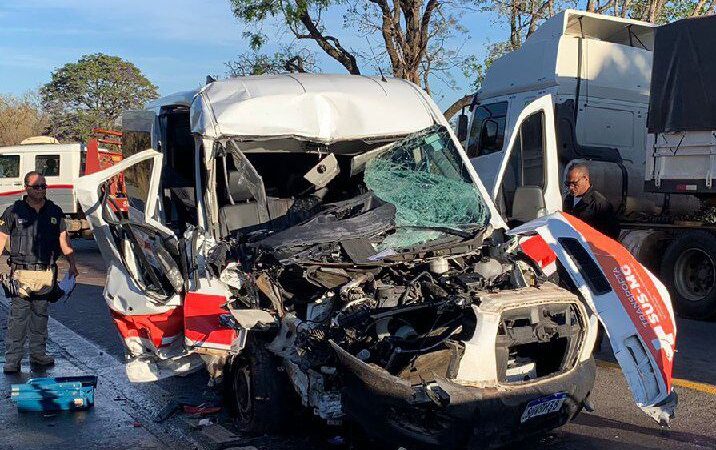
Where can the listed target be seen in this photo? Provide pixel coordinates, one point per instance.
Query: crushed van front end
(446, 414)
(522, 371)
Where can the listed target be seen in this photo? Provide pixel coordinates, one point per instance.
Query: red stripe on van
(49, 186)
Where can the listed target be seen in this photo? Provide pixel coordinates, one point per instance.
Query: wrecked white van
(325, 237)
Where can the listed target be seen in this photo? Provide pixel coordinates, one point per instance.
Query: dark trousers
(26, 317)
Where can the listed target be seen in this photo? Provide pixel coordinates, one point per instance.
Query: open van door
(632, 304)
(147, 270)
(524, 182)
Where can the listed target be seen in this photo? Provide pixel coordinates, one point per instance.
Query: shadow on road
(682, 437)
(86, 313)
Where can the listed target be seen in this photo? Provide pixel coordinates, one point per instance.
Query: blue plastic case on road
(55, 394)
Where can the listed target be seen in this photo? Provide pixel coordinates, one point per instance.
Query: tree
(93, 92)
(475, 70)
(286, 60)
(20, 118)
(409, 38)
(525, 16)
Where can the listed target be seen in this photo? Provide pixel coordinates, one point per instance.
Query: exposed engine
(407, 312)
(386, 287)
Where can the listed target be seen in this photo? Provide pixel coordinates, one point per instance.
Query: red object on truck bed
(100, 159)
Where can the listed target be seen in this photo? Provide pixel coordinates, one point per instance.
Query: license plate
(543, 405)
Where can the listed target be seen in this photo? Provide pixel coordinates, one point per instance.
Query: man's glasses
(37, 187)
(573, 183)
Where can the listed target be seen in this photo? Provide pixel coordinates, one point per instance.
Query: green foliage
(286, 60)
(473, 69)
(287, 12)
(93, 92)
(675, 10)
(415, 40)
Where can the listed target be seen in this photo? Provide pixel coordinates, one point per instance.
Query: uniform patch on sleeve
(2, 222)
(53, 220)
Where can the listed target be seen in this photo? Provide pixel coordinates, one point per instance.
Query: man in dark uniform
(37, 233)
(588, 205)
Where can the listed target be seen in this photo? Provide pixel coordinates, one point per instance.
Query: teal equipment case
(55, 394)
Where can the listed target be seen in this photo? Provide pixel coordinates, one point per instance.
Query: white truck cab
(600, 64)
(579, 90)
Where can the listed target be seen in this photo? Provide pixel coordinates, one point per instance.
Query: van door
(631, 303)
(11, 179)
(527, 183)
(147, 270)
(159, 291)
(135, 242)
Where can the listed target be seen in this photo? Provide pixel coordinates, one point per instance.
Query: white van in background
(60, 164)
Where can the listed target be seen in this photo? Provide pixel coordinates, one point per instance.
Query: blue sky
(176, 43)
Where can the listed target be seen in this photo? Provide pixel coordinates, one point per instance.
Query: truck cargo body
(60, 164)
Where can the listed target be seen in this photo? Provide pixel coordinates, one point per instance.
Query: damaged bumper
(446, 414)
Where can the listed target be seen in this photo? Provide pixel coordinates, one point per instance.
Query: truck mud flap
(634, 306)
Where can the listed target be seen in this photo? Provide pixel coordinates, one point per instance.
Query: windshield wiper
(446, 230)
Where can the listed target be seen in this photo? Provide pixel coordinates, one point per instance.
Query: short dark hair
(30, 174)
(580, 167)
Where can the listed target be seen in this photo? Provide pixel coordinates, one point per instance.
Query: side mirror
(462, 128)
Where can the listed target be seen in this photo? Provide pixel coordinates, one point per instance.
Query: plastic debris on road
(201, 410)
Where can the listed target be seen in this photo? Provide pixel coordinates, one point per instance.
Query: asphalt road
(616, 422)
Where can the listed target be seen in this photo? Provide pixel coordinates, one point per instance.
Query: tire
(689, 272)
(257, 390)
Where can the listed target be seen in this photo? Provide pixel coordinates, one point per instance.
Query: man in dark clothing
(37, 233)
(588, 205)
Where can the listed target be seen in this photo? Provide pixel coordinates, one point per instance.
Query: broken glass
(427, 181)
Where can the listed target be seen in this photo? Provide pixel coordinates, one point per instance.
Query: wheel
(689, 272)
(258, 390)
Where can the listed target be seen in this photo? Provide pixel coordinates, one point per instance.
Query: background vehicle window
(48, 165)
(488, 129)
(526, 164)
(532, 142)
(136, 181)
(9, 166)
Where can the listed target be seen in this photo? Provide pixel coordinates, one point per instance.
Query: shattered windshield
(427, 181)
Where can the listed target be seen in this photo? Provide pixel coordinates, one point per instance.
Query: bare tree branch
(388, 30)
(328, 44)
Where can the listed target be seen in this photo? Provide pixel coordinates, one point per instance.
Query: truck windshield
(488, 129)
(425, 178)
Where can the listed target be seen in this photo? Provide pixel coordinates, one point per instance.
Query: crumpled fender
(632, 304)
